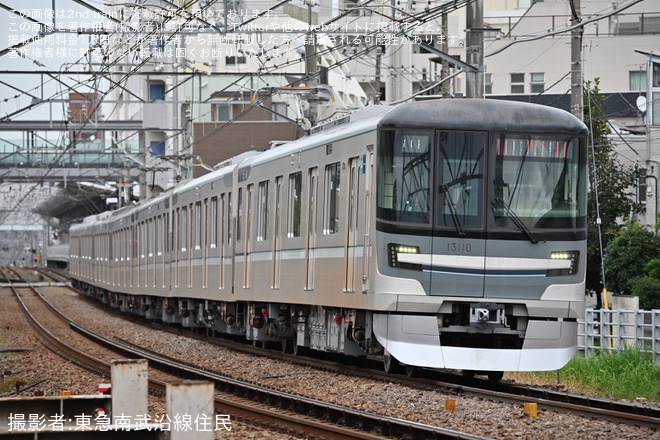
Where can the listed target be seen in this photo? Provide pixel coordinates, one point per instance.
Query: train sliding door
(353, 248)
(310, 245)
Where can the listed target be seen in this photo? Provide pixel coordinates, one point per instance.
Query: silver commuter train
(442, 234)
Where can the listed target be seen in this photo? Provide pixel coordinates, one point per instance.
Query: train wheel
(390, 363)
(495, 376)
(298, 350)
(412, 371)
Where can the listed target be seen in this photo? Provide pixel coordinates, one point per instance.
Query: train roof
(483, 114)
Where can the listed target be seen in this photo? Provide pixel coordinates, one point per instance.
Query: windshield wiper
(497, 201)
(452, 210)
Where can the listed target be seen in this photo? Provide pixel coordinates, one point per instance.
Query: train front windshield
(470, 182)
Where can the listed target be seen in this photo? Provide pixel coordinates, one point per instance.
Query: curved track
(289, 413)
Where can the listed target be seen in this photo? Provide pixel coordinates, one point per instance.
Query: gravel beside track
(496, 420)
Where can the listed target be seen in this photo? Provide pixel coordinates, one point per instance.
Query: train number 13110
(459, 247)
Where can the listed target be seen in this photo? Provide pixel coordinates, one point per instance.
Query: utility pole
(576, 61)
(444, 47)
(475, 48)
(377, 83)
(310, 62)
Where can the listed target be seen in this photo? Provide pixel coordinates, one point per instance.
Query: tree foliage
(627, 257)
(615, 184)
(648, 290)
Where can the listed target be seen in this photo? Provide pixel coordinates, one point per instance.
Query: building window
(279, 111)
(537, 82)
(488, 83)
(157, 148)
(517, 83)
(222, 112)
(637, 80)
(156, 91)
(157, 45)
(234, 60)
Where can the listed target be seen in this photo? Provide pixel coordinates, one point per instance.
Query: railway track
(287, 412)
(631, 413)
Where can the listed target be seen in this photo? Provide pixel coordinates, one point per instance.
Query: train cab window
(538, 181)
(295, 204)
(331, 206)
(404, 176)
(460, 174)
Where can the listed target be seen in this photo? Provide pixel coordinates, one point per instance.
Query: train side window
(262, 211)
(331, 205)
(295, 203)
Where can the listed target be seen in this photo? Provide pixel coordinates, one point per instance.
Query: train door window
(197, 228)
(159, 247)
(204, 239)
(159, 236)
(213, 223)
(331, 206)
(125, 255)
(190, 235)
(248, 244)
(221, 239)
(150, 240)
(153, 223)
(143, 242)
(275, 284)
(228, 226)
(295, 203)
(460, 173)
(262, 211)
(239, 216)
(183, 229)
(166, 247)
(176, 236)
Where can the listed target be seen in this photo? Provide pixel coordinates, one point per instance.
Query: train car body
(442, 234)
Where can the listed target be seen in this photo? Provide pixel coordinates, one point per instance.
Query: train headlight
(571, 258)
(394, 250)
